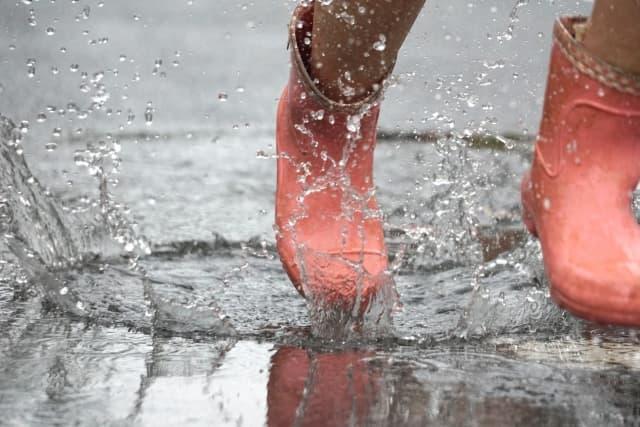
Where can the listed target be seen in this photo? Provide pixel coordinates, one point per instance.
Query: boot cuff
(300, 44)
(611, 76)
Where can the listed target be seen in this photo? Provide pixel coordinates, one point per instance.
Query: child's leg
(355, 43)
(613, 33)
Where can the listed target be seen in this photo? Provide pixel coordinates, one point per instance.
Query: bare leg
(355, 43)
(613, 33)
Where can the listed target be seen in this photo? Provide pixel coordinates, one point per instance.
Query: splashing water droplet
(31, 67)
(64, 291)
(148, 114)
(24, 127)
(156, 66)
(353, 123)
(381, 44)
(31, 20)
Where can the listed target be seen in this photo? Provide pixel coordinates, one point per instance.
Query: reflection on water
(316, 388)
(452, 387)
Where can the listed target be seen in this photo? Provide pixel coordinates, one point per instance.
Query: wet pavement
(206, 329)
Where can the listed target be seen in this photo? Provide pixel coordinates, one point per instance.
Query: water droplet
(472, 101)
(317, 115)
(31, 20)
(97, 77)
(353, 124)
(41, 118)
(493, 65)
(74, 68)
(546, 204)
(31, 67)
(148, 114)
(80, 305)
(56, 133)
(156, 66)
(51, 146)
(381, 44)
(51, 31)
(223, 97)
(601, 92)
(24, 127)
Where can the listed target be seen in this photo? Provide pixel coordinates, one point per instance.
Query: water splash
(512, 297)
(35, 218)
(370, 320)
(53, 243)
(513, 20)
(439, 221)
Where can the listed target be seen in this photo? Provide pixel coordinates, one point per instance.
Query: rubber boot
(577, 197)
(329, 228)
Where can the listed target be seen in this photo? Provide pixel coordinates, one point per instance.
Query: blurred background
(218, 67)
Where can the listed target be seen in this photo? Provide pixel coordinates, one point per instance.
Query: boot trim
(564, 34)
(301, 25)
